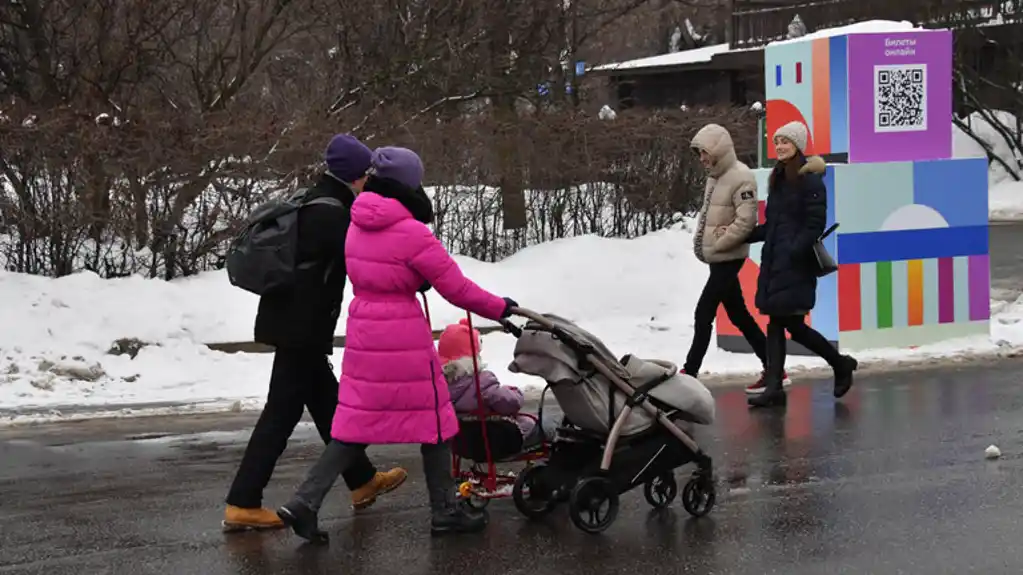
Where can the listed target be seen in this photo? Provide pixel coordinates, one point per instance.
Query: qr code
(900, 98)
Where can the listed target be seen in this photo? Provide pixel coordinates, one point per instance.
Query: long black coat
(305, 317)
(796, 215)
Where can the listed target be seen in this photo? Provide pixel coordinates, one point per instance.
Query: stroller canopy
(588, 399)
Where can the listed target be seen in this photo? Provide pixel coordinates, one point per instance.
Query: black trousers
(802, 334)
(722, 288)
(300, 379)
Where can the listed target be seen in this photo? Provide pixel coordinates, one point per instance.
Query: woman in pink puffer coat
(392, 386)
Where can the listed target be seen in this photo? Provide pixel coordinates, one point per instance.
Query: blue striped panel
(913, 244)
(839, 80)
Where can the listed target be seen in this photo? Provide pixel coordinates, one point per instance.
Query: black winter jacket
(305, 317)
(796, 215)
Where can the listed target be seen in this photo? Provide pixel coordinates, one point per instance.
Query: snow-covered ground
(1005, 201)
(637, 295)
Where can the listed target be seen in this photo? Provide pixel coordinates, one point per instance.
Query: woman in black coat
(797, 211)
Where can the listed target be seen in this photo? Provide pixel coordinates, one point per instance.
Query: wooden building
(732, 72)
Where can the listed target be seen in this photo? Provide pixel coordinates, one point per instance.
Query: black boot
(447, 514)
(303, 521)
(774, 374)
(844, 375)
(458, 518)
(773, 395)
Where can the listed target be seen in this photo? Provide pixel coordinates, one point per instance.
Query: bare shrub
(583, 175)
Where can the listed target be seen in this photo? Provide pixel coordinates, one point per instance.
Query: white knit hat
(794, 132)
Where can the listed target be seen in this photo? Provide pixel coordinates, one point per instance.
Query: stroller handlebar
(511, 328)
(532, 316)
(582, 349)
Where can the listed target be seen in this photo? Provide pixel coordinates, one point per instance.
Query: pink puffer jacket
(392, 387)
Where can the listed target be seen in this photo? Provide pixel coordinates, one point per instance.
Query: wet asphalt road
(892, 480)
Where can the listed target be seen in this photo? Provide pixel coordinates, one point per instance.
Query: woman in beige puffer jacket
(727, 217)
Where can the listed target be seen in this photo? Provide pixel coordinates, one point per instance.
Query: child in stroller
(456, 352)
(492, 428)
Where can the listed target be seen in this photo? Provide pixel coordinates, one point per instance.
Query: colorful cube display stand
(912, 245)
(867, 97)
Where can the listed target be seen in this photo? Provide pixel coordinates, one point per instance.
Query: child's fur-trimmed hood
(461, 367)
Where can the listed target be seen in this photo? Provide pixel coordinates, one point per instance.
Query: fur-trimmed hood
(814, 165)
(461, 367)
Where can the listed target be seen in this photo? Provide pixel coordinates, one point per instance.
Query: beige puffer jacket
(729, 211)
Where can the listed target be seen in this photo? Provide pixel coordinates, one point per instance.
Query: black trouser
(802, 334)
(300, 380)
(723, 288)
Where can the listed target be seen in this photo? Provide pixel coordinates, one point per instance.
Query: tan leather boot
(241, 519)
(383, 482)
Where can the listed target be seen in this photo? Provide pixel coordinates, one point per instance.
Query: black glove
(508, 304)
(425, 287)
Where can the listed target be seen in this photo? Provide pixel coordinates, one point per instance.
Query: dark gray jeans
(339, 457)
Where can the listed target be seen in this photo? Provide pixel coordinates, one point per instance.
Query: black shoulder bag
(824, 264)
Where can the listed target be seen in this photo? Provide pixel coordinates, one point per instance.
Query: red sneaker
(758, 386)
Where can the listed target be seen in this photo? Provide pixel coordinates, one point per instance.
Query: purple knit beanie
(399, 164)
(347, 158)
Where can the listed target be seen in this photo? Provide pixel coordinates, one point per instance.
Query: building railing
(756, 23)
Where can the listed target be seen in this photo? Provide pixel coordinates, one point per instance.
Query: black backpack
(261, 258)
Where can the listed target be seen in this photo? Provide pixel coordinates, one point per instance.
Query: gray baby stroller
(605, 446)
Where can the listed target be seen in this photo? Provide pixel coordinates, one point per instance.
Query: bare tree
(988, 77)
(137, 135)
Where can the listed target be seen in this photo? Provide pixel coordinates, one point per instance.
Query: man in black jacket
(300, 325)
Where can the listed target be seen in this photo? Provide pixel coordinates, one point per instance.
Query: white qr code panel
(900, 98)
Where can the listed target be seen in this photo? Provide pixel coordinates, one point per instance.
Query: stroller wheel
(698, 496)
(661, 490)
(533, 495)
(466, 494)
(476, 502)
(593, 504)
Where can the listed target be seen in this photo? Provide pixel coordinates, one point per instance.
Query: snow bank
(107, 344)
(1005, 201)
